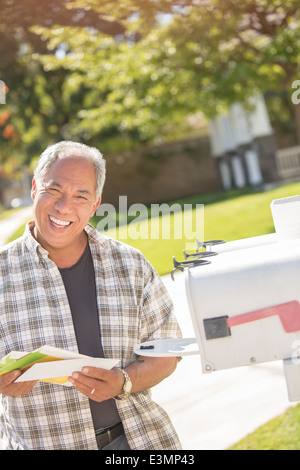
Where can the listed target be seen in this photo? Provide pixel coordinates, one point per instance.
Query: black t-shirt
(79, 281)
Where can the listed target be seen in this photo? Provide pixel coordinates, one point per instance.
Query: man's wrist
(126, 388)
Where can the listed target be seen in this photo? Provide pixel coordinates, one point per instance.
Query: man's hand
(145, 373)
(98, 384)
(8, 387)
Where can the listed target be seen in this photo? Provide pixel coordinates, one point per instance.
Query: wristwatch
(127, 386)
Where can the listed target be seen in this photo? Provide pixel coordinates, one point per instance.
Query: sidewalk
(214, 411)
(9, 225)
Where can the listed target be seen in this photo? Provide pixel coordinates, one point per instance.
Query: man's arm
(145, 373)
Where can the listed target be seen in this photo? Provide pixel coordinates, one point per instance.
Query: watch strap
(127, 384)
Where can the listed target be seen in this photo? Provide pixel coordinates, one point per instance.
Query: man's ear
(33, 189)
(95, 206)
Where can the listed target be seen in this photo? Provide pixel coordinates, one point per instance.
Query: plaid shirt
(34, 310)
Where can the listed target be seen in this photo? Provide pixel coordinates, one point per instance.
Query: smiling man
(64, 201)
(66, 285)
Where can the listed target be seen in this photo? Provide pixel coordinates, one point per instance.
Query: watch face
(128, 387)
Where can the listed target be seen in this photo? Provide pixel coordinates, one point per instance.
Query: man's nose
(64, 204)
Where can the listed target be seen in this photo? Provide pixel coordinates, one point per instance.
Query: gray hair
(65, 149)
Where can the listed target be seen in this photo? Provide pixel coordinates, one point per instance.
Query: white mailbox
(244, 300)
(245, 305)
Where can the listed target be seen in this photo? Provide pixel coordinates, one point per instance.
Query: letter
(165, 222)
(296, 94)
(138, 228)
(108, 222)
(123, 218)
(193, 222)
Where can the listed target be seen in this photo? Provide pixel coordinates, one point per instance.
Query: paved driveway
(9, 225)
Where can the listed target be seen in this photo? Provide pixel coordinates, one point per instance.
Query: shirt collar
(33, 245)
(40, 253)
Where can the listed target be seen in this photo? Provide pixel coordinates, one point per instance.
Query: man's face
(64, 202)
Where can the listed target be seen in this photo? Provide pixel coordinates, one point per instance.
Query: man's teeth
(59, 222)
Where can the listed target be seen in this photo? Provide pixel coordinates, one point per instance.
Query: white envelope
(58, 371)
(63, 368)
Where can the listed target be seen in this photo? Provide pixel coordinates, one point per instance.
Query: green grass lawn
(7, 213)
(229, 216)
(281, 433)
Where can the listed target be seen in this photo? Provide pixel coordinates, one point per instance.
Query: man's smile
(59, 223)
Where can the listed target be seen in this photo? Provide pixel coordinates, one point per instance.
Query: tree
(233, 49)
(209, 55)
(8, 137)
(35, 103)
(119, 74)
(47, 102)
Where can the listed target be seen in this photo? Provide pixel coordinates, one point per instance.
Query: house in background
(243, 146)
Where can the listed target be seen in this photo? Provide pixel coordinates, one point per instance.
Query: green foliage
(233, 50)
(206, 58)
(121, 74)
(118, 87)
